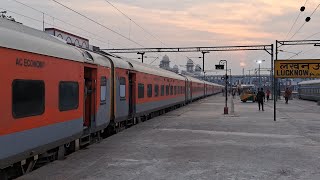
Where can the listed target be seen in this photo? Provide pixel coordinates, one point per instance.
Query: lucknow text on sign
(297, 68)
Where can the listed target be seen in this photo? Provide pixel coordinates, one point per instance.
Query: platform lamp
(259, 62)
(242, 64)
(221, 66)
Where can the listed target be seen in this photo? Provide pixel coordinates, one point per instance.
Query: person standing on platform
(260, 97)
(287, 94)
(268, 94)
(233, 93)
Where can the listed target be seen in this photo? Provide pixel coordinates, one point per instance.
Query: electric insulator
(308, 19)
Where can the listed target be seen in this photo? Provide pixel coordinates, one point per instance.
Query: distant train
(56, 98)
(309, 90)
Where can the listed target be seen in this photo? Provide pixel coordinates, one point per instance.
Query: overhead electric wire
(96, 22)
(295, 55)
(315, 10)
(298, 30)
(22, 15)
(294, 23)
(154, 60)
(131, 20)
(63, 21)
(305, 21)
(52, 25)
(135, 22)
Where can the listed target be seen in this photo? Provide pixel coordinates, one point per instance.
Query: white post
(232, 106)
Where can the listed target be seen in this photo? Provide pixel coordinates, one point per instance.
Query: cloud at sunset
(187, 23)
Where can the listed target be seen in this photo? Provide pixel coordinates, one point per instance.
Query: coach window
(167, 90)
(122, 88)
(68, 95)
(162, 90)
(171, 90)
(175, 90)
(140, 90)
(149, 90)
(28, 98)
(103, 90)
(156, 90)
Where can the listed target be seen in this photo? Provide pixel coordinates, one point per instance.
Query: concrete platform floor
(199, 142)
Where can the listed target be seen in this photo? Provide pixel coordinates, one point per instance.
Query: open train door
(90, 78)
(132, 94)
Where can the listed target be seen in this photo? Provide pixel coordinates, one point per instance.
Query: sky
(183, 23)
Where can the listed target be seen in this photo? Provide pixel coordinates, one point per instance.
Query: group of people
(261, 97)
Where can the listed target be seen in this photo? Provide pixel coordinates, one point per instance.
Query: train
(57, 98)
(309, 90)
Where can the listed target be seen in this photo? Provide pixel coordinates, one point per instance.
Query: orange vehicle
(247, 93)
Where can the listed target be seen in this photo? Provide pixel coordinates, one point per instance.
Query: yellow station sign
(297, 68)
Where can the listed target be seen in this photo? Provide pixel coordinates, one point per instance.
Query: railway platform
(199, 142)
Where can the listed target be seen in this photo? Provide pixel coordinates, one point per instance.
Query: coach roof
(317, 81)
(145, 68)
(20, 37)
(194, 79)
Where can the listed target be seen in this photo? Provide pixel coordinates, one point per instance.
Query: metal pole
(230, 82)
(274, 89)
(242, 76)
(203, 61)
(271, 72)
(142, 54)
(226, 85)
(259, 77)
(43, 21)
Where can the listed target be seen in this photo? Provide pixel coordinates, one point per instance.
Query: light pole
(242, 64)
(259, 62)
(203, 53)
(226, 85)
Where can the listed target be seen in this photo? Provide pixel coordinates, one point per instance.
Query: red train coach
(157, 89)
(58, 97)
(142, 90)
(46, 102)
(196, 88)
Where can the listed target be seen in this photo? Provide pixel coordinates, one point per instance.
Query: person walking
(268, 94)
(287, 94)
(233, 93)
(260, 97)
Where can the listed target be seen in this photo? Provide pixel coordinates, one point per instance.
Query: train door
(90, 78)
(132, 94)
(186, 91)
(190, 90)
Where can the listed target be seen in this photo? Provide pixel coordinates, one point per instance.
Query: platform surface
(199, 142)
